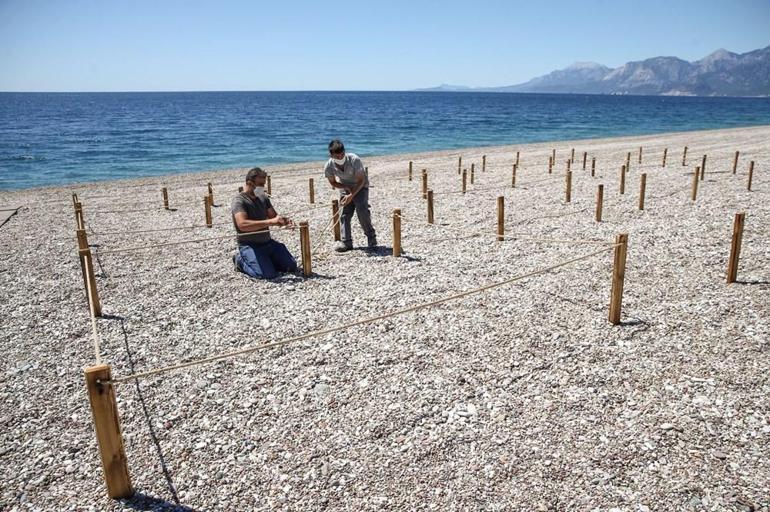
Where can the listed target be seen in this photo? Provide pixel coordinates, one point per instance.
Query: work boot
(372, 242)
(343, 247)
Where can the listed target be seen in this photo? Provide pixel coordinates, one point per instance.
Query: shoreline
(386, 158)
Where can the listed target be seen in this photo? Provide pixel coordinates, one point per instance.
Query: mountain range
(721, 73)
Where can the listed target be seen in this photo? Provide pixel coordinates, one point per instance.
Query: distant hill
(722, 73)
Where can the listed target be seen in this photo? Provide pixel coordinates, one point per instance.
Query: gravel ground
(523, 397)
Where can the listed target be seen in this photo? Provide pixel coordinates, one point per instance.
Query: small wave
(25, 158)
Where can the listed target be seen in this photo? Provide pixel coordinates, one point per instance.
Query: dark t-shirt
(256, 209)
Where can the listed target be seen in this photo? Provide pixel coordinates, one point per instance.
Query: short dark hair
(336, 146)
(256, 172)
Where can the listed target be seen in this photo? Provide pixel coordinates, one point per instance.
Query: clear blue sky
(138, 45)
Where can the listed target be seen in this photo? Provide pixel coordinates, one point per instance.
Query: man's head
(337, 151)
(256, 177)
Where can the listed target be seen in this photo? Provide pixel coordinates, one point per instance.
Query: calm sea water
(57, 138)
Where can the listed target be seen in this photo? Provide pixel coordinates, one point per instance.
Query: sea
(63, 138)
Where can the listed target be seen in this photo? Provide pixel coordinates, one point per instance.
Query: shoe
(343, 247)
(372, 243)
(235, 264)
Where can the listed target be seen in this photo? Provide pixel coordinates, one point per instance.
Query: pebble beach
(519, 397)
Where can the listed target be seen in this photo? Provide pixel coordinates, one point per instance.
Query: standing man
(259, 255)
(346, 172)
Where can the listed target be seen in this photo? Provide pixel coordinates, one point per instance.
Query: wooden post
(87, 265)
(748, 184)
(735, 247)
(336, 219)
(82, 245)
(585, 157)
(628, 162)
(104, 410)
(593, 166)
(82, 239)
(568, 191)
(304, 244)
(425, 183)
(735, 161)
(694, 194)
(465, 180)
(397, 232)
(473, 173)
(211, 194)
(410, 170)
(550, 164)
(640, 154)
(74, 199)
(164, 193)
(599, 201)
(665, 155)
(500, 218)
(618, 278)
(684, 156)
(430, 207)
(642, 188)
(459, 164)
(569, 165)
(207, 210)
(269, 186)
(703, 168)
(517, 158)
(483, 163)
(513, 176)
(572, 156)
(622, 179)
(311, 190)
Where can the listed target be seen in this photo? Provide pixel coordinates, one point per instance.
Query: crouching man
(346, 172)
(259, 255)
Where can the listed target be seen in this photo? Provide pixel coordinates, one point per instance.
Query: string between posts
(331, 330)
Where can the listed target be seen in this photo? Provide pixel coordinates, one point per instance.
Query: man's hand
(346, 199)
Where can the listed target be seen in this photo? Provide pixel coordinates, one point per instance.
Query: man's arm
(249, 226)
(285, 221)
(355, 190)
(334, 183)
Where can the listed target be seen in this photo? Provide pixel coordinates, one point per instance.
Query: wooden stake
(211, 194)
(473, 172)
(703, 168)
(642, 188)
(572, 156)
(599, 201)
(164, 193)
(553, 155)
(735, 247)
(269, 186)
(665, 155)
(336, 219)
(748, 184)
(628, 162)
(82, 245)
(87, 265)
(550, 164)
(104, 410)
(79, 222)
(483, 163)
(517, 158)
(500, 218)
(735, 161)
(430, 207)
(425, 183)
(74, 199)
(207, 210)
(622, 179)
(640, 154)
(82, 239)
(585, 157)
(569, 165)
(568, 192)
(311, 190)
(513, 176)
(684, 157)
(694, 194)
(593, 167)
(397, 233)
(465, 180)
(304, 244)
(618, 278)
(410, 170)
(459, 164)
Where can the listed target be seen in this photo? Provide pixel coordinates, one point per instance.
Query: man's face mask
(339, 161)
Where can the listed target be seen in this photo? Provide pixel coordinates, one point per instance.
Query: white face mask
(259, 190)
(341, 161)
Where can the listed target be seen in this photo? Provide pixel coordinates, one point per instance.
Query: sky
(169, 45)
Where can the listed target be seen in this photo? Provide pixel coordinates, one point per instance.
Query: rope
(143, 247)
(365, 321)
(91, 310)
(180, 228)
(127, 211)
(332, 223)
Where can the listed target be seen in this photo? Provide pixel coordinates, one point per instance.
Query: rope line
(248, 350)
(168, 244)
(175, 228)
